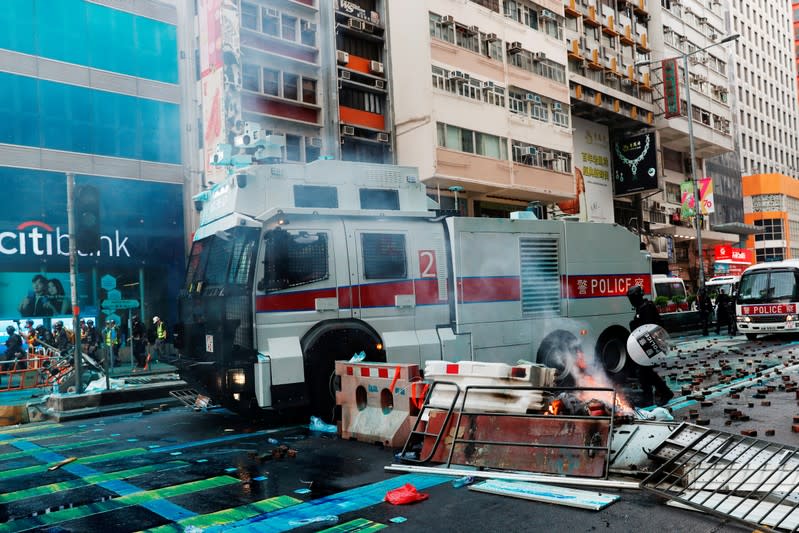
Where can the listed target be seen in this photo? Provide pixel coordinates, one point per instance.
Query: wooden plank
(517, 476)
(581, 499)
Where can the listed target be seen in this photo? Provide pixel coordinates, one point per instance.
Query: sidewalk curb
(122, 408)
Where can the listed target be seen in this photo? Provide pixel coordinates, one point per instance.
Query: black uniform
(14, 348)
(137, 329)
(705, 306)
(723, 302)
(647, 312)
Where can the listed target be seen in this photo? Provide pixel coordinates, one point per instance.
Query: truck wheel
(751, 336)
(559, 351)
(320, 357)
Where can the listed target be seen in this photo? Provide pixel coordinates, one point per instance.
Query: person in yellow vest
(111, 341)
(158, 338)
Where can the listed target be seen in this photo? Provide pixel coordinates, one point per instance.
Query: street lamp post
(692, 148)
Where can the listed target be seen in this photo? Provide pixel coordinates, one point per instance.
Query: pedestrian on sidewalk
(647, 312)
(158, 338)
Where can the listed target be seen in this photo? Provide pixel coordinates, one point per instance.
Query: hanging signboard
(635, 164)
(671, 88)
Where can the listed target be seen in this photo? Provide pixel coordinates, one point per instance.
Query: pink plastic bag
(404, 495)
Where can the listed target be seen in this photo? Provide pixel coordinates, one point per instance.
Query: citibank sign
(36, 238)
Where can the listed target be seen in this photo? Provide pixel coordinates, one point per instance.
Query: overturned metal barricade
(453, 430)
(749, 480)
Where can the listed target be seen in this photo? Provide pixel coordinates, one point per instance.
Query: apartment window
(357, 99)
(444, 32)
(308, 32)
(249, 16)
(439, 78)
(472, 142)
(289, 28)
(516, 102)
(290, 86)
(772, 229)
(308, 91)
(467, 38)
(270, 22)
(764, 255)
(538, 156)
(560, 114)
(249, 77)
(293, 152)
(539, 110)
(673, 193)
(271, 82)
(491, 48)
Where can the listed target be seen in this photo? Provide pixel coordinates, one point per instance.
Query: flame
(554, 407)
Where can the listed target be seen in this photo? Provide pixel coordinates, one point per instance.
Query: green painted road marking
(137, 498)
(36, 469)
(228, 516)
(28, 428)
(53, 435)
(359, 525)
(62, 447)
(88, 480)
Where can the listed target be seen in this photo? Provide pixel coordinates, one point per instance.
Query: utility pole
(73, 280)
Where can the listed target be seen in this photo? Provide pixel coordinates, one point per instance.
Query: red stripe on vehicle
(382, 372)
(472, 290)
(292, 301)
(427, 292)
(452, 369)
(364, 372)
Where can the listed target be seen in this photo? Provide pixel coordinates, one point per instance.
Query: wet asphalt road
(179, 470)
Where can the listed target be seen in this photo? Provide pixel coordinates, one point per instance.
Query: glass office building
(90, 87)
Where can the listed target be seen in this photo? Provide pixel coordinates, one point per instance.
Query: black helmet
(29, 322)
(636, 295)
(10, 330)
(90, 322)
(59, 324)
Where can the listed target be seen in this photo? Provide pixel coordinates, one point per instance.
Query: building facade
(91, 87)
(771, 202)
(765, 67)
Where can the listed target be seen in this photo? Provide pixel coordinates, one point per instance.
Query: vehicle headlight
(747, 319)
(236, 377)
(789, 318)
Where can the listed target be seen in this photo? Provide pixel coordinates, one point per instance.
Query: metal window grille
(540, 276)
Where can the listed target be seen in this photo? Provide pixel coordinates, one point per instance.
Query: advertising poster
(592, 172)
(213, 121)
(707, 202)
(209, 15)
(635, 164)
(141, 245)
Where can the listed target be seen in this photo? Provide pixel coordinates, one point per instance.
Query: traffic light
(87, 218)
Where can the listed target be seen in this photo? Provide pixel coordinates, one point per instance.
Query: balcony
(626, 36)
(590, 18)
(574, 50)
(639, 8)
(365, 119)
(643, 45)
(282, 108)
(609, 26)
(571, 10)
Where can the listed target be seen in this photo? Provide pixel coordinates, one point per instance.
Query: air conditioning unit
(342, 57)
(682, 38)
(626, 82)
(347, 130)
(529, 150)
(515, 47)
(375, 67)
(548, 156)
(307, 25)
(548, 14)
(702, 20)
(272, 12)
(488, 85)
(699, 78)
(383, 137)
(447, 20)
(356, 24)
(556, 106)
(473, 30)
(533, 98)
(491, 37)
(713, 37)
(316, 142)
(457, 75)
(539, 56)
(345, 74)
(380, 84)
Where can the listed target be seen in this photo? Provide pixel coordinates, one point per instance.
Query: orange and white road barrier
(379, 401)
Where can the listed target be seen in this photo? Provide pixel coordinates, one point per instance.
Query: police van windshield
(225, 258)
(768, 286)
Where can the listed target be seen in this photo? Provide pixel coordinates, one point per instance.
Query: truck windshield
(767, 286)
(225, 258)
